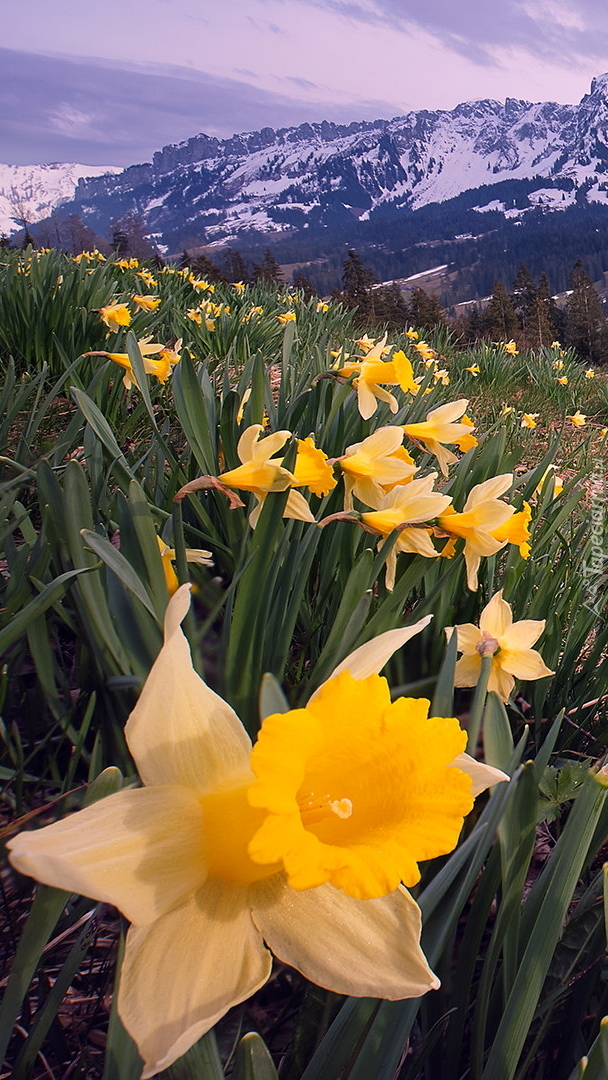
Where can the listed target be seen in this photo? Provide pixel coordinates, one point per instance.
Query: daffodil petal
(468, 637)
(369, 659)
(180, 975)
(468, 670)
(140, 850)
(366, 948)
(496, 618)
(366, 400)
(483, 776)
(500, 681)
(489, 489)
(180, 731)
(524, 663)
(523, 634)
(297, 507)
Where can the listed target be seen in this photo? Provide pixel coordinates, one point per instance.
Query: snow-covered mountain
(31, 192)
(275, 181)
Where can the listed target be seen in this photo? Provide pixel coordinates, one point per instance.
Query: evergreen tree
(357, 283)
(129, 237)
(268, 270)
(235, 267)
(305, 285)
(425, 311)
(391, 307)
(553, 317)
(524, 301)
(501, 320)
(205, 268)
(585, 319)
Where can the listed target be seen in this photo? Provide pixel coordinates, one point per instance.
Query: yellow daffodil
(557, 483)
(442, 376)
(529, 419)
(260, 473)
(412, 335)
(578, 419)
(468, 441)
(300, 844)
(507, 410)
(511, 348)
(425, 351)
(474, 369)
(147, 278)
(516, 530)
(374, 464)
(556, 345)
(589, 373)
(367, 343)
(408, 505)
(165, 358)
(195, 316)
(146, 303)
(239, 286)
(200, 284)
(558, 365)
(564, 380)
(483, 513)
(167, 554)
(508, 643)
(440, 427)
(322, 306)
(115, 315)
(287, 316)
(371, 371)
(311, 469)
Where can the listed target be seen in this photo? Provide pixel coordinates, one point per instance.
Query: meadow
(296, 493)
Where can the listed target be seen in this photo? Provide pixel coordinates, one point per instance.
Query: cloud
(99, 113)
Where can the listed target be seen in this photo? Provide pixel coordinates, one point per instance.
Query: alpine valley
(474, 191)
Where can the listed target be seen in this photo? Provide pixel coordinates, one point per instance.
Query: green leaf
(252, 1060)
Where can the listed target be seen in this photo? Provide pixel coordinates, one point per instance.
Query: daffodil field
(304, 689)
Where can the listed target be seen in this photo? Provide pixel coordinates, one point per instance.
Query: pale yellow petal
(500, 681)
(483, 776)
(489, 489)
(140, 850)
(496, 618)
(469, 636)
(366, 400)
(472, 561)
(297, 507)
(180, 731)
(369, 659)
(382, 442)
(270, 445)
(468, 670)
(523, 634)
(524, 663)
(248, 441)
(448, 413)
(181, 974)
(366, 948)
(386, 396)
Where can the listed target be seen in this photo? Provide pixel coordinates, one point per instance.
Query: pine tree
(524, 301)
(552, 315)
(205, 268)
(585, 319)
(425, 311)
(305, 285)
(235, 267)
(501, 319)
(268, 270)
(357, 283)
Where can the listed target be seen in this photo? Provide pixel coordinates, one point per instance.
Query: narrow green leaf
(252, 1060)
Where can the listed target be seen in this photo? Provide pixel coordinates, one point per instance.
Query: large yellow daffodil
(369, 465)
(160, 366)
(408, 505)
(440, 427)
(261, 473)
(483, 515)
(371, 370)
(508, 643)
(300, 843)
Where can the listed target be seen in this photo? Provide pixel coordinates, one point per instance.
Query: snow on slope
(32, 191)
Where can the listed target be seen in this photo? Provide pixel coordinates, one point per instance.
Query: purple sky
(110, 84)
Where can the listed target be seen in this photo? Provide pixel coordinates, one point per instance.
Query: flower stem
(478, 704)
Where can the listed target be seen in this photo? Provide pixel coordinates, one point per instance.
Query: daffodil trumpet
(299, 844)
